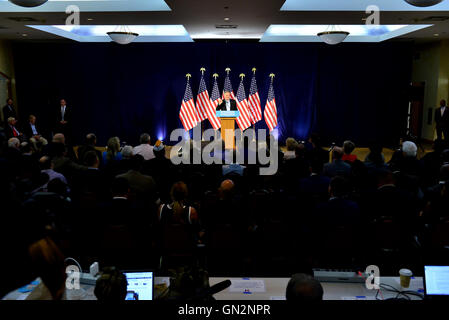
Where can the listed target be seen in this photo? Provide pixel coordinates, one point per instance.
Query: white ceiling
(200, 17)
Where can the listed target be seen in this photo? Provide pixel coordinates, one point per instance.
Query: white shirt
(62, 112)
(145, 150)
(228, 105)
(33, 128)
(442, 110)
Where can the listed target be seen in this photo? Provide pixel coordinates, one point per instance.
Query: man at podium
(227, 104)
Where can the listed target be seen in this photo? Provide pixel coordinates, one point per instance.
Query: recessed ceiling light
(24, 35)
(90, 19)
(436, 34)
(227, 19)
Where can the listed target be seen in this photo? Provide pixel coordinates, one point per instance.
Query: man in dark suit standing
(227, 104)
(63, 119)
(9, 111)
(442, 121)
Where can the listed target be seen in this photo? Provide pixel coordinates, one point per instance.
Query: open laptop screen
(437, 280)
(140, 285)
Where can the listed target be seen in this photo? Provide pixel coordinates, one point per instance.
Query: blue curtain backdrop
(349, 91)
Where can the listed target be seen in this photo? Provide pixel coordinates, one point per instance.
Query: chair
(177, 245)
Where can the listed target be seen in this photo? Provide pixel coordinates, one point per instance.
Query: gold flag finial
(271, 76)
(202, 70)
(242, 75)
(254, 70)
(188, 75)
(227, 70)
(215, 75)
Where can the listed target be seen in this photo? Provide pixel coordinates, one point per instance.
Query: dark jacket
(442, 121)
(9, 111)
(222, 106)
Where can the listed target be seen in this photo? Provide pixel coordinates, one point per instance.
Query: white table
(274, 290)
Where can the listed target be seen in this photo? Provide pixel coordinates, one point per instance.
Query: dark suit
(63, 128)
(337, 168)
(222, 106)
(9, 111)
(442, 122)
(28, 131)
(10, 132)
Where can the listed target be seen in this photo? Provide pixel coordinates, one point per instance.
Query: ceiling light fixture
(227, 19)
(423, 3)
(123, 35)
(333, 36)
(28, 3)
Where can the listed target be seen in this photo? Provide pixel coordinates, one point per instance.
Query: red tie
(15, 132)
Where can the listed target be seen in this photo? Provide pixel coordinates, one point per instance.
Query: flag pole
(254, 124)
(202, 69)
(215, 76)
(242, 75)
(188, 76)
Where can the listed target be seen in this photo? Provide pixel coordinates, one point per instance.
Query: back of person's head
(127, 152)
(303, 287)
(111, 285)
(45, 163)
(300, 150)
(113, 145)
(226, 188)
(178, 194)
(25, 147)
(291, 144)
(91, 159)
(315, 139)
(337, 153)
(120, 187)
(145, 138)
(58, 138)
(348, 147)
(47, 261)
(159, 149)
(14, 143)
(91, 139)
(58, 149)
(339, 187)
(136, 162)
(409, 149)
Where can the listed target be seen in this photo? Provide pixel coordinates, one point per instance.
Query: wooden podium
(227, 127)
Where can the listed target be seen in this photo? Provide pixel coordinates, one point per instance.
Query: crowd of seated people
(133, 208)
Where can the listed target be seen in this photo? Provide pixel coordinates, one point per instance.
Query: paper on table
(278, 298)
(358, 298)
(247, 285)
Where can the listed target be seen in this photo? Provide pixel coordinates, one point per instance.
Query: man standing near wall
(442, 121)
(9, 111)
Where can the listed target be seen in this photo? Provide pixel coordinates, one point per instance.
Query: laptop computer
(140, 285)
(436, 281)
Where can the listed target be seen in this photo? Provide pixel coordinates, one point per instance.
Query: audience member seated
(303, 288)
(11, 129)
(315, 186)
(33, 134)
(144, 149)
(337, 167)
(89, 145)
(178, 212)
(161, 169)
(233, 168)
(317, 151)
(112, 152)
(62, 163)
(142, 186)
(46, 165)
(291, 144)
(111, 286)
(348, 148)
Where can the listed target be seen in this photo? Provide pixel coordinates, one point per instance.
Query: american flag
(244, 119)
(187, 112)
(215, 96)
(205, 107)
(270, 112)
(254, 101)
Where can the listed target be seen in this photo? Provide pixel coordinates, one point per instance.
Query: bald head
(337, 153)
(303, 287)
(59, 138)
(227, 185)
